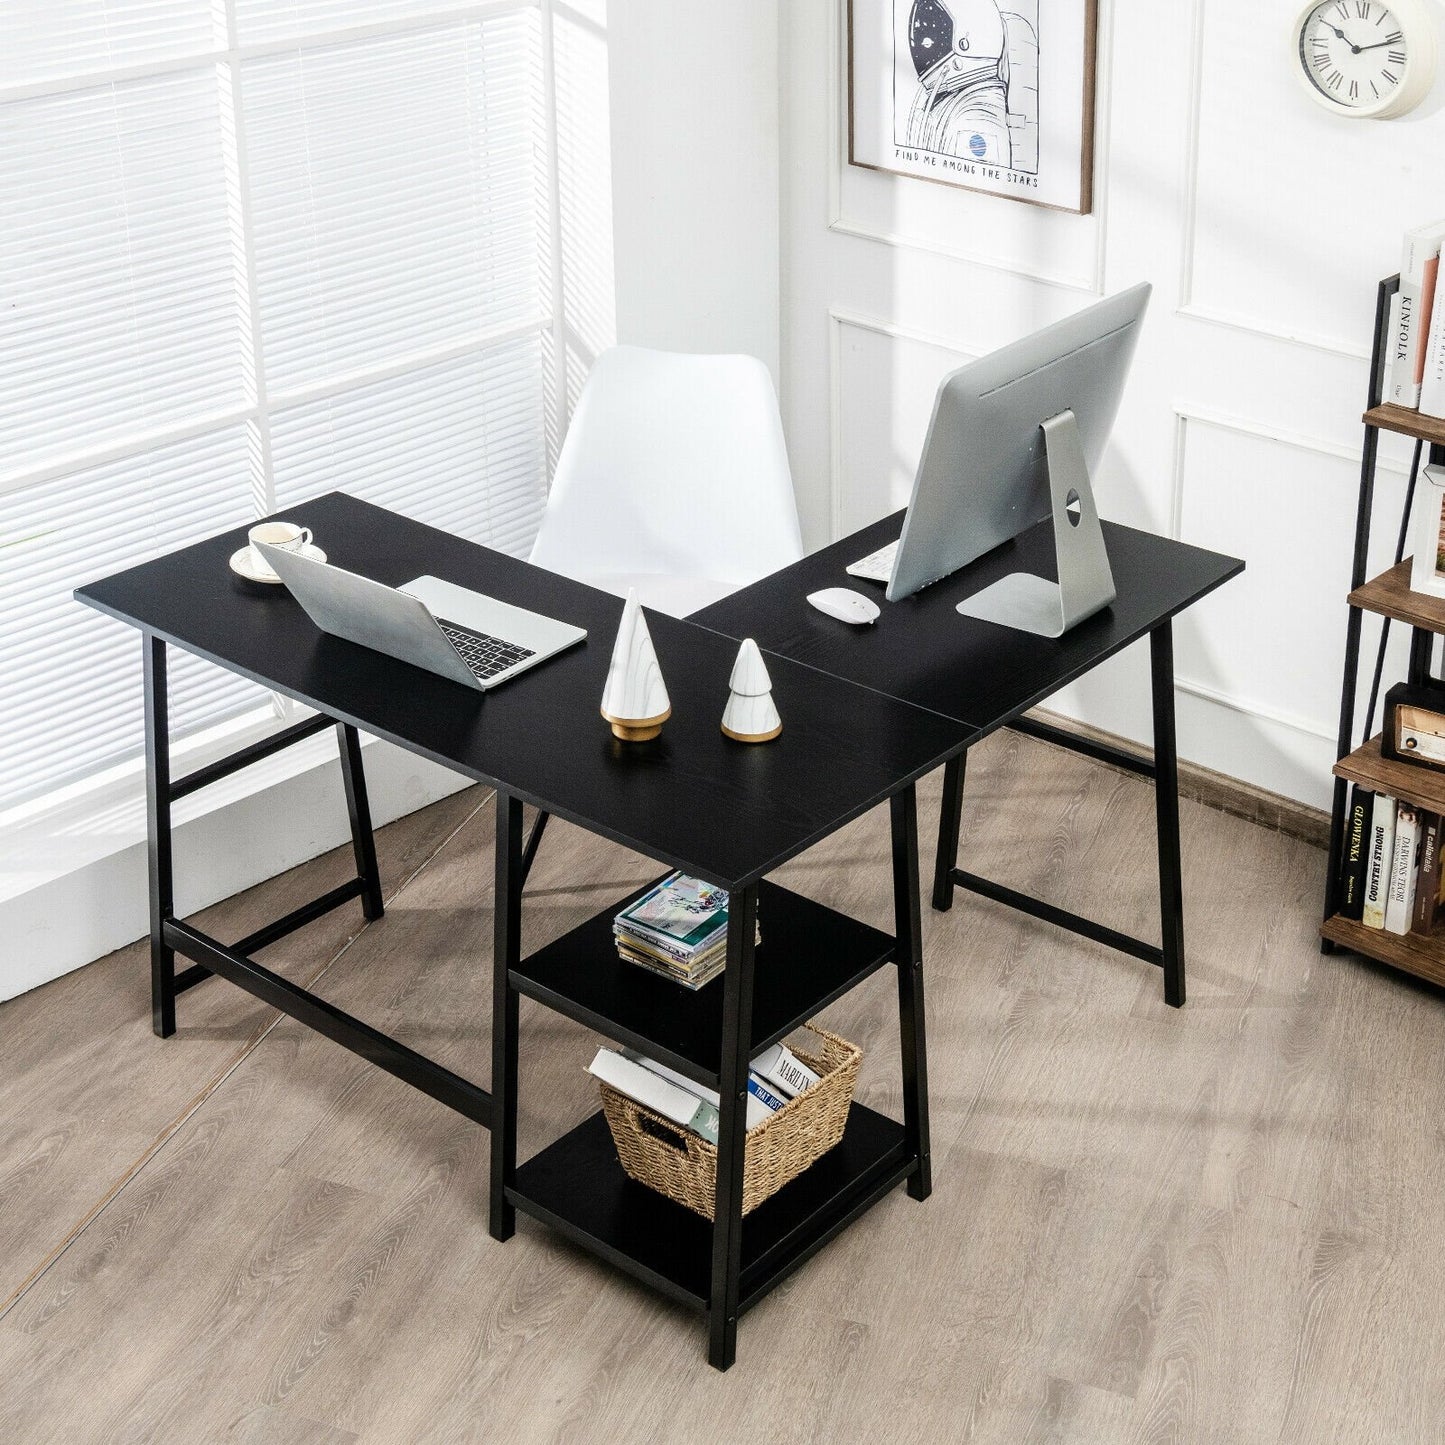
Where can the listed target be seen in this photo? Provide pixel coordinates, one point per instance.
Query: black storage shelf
(578, 1187)
(809, 955)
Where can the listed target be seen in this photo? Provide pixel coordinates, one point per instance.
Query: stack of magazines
(678, 928)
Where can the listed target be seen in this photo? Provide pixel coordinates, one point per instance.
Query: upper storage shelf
(1389, 595)
(1407, 422)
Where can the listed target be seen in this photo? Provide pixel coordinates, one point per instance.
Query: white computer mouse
(845, 604)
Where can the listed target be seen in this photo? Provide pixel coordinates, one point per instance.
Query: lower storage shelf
(578, 1186)
(1420, 954)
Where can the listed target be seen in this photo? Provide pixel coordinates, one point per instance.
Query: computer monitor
(1013, 440)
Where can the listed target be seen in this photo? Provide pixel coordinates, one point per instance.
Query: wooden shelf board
(1390, 595)
(1408, 422)
(1422, 955)
(577, 1185)
(1410, 781)
(809, 956)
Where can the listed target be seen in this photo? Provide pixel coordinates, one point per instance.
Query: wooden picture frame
(984, 95)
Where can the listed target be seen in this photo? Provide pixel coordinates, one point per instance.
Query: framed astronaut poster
(991, 95)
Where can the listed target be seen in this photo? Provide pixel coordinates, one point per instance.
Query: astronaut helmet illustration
(968, 32)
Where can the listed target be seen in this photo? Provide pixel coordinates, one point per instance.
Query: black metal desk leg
(506, 954)
(908, 957)
(950, 817)
(727, 1227)
(358, 808)
(534, 840)
(1166, 812)
(158, 835)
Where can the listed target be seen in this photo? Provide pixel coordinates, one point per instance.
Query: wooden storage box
(683, 1166)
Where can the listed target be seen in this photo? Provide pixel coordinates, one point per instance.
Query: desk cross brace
(1168, 954)
(170, 936)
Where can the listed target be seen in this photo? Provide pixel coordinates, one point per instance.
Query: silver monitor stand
(1086, 582)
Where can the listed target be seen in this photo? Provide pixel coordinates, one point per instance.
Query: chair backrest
(676, 464)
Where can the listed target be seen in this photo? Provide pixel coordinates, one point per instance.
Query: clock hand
(1378, 45)
(1340, 35)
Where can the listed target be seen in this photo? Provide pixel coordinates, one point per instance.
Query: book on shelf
(680, 913)
(1427, 883)
(1355, 860)
(1400, 902)
(1377, 869)
(1397, 348)
(692, 976)
(678, 929)
(1419, 267)
(1432, 374)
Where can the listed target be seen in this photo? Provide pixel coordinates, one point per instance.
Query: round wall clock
(1369, 59)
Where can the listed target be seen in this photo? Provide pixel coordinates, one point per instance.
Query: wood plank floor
(1223, 1224)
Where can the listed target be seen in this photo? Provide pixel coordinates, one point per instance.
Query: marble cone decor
(635, 699)
(751, 716)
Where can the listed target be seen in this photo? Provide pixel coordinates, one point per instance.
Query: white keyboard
(878, 566)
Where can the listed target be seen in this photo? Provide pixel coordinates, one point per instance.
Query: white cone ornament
(635, 699)
(751, 715)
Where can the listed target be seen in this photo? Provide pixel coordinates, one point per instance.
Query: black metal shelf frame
(576, 1184)
(1421, 639)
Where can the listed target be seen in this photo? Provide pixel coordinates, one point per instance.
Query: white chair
(673, 480)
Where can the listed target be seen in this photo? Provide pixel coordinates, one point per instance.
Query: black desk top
(724, 811)
(921, 650)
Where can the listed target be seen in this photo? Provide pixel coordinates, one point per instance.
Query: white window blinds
(254, 250)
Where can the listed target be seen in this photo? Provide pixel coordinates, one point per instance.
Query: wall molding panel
(840, 318)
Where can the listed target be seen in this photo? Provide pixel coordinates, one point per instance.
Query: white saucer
(244, 564)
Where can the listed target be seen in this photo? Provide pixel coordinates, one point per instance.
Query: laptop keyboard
(484, 656)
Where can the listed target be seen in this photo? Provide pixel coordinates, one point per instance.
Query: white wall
(694, 114)
(1264, 225)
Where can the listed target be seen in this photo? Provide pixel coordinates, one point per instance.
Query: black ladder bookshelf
(1389, 597)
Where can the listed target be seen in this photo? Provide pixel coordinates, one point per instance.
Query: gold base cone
(766, 737)
(636, 729)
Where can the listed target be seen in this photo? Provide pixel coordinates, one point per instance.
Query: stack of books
(678, 928)
(1416, 373)
(1390, 874)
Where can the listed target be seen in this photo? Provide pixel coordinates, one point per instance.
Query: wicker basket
(678, 1163)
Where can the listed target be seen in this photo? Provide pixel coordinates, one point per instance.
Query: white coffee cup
(286, 535)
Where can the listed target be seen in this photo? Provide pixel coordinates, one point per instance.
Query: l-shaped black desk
(720, 810)
(922, 651)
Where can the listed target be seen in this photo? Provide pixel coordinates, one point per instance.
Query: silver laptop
(449, 630)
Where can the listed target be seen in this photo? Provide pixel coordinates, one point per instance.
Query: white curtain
(254, 250)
